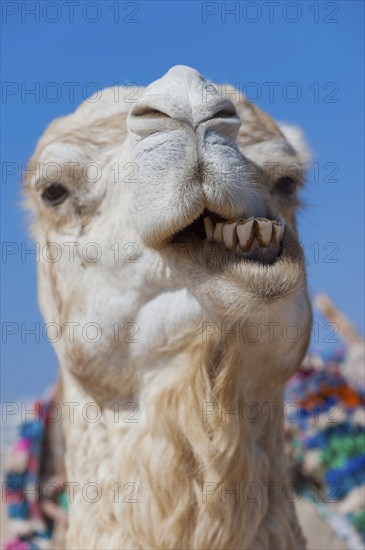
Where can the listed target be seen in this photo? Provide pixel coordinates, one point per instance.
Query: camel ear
(295, 137)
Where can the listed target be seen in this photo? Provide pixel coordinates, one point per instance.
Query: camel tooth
(245, 233)
(263, 231)
(230, 235)
(278, 229)
(218, 233)
(209, 228)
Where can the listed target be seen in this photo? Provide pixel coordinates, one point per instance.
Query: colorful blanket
(28, 503)
(326, 434)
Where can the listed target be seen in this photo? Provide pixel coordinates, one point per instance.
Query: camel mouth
(256, 238)
(196, 231)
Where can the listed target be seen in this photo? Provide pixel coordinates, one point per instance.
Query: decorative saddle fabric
(325, 428)
(33, 489)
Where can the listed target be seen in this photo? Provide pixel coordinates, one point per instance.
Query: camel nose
(183, 97)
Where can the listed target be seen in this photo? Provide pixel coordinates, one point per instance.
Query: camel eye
(55, 194)
(285, 185)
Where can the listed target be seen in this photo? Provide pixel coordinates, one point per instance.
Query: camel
(174, 268)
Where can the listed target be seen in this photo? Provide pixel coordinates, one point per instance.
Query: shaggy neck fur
(206, 467)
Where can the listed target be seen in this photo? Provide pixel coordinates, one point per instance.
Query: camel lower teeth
(218, 233)
(230, 237)
(209, 228)
(247, 234)
(263, 231)
(244, 232)
(278, 230)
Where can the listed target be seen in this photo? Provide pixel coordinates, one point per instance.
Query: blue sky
(300, 61)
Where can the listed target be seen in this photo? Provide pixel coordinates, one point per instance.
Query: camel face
(153, 214)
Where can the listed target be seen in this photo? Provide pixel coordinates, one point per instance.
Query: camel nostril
(226, 112)
(222, 118)
(147, 118)
(150, 113)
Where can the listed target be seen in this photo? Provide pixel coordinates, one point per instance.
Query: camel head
(156, 211)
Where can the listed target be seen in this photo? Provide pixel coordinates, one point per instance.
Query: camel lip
(196, 230)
